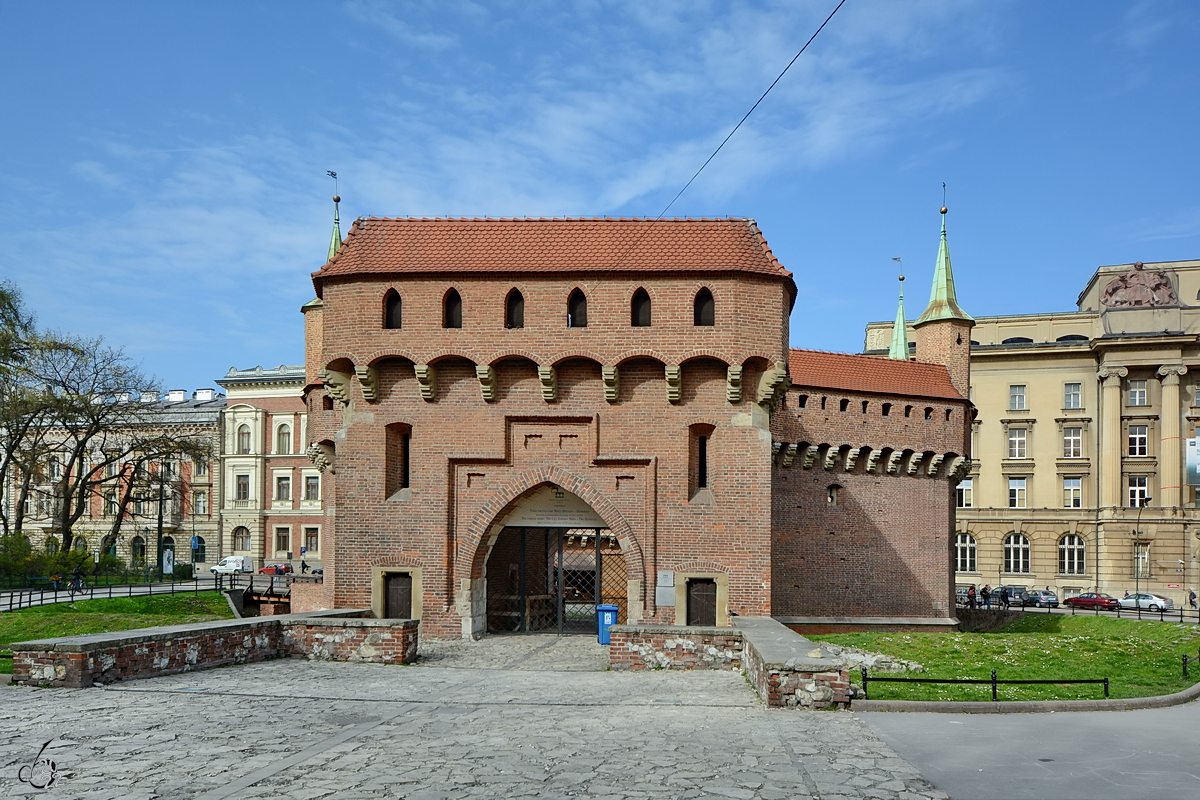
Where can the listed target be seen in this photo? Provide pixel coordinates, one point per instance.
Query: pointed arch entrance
(552, 562)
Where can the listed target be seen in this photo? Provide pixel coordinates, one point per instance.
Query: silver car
(1150, 602)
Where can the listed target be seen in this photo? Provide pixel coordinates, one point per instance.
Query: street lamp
(1137, 562)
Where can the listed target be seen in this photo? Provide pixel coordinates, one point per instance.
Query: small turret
(335, 239)
(944, 329)
(899, 348)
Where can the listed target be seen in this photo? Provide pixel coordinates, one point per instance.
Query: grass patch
(1140, 658)
(105, 616)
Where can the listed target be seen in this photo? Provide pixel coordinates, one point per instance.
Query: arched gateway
(551, 561)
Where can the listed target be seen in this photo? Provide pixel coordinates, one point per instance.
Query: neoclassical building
(519, 419)
(1084, 419)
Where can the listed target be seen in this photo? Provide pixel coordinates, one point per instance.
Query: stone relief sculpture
(1139, 287)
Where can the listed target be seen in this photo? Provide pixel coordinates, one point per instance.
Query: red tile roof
(410, 245)
(858, 373)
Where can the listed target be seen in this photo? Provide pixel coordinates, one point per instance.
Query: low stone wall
(82, 661)
(674, 647)
(789, 671)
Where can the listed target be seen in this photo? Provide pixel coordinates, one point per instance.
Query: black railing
(977, 681)
(29, 598)
(1187, 661)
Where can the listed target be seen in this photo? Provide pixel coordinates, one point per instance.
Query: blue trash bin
(606, 617)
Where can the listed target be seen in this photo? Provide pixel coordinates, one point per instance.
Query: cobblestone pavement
(511, 717)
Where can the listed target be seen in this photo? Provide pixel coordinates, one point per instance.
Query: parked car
(1150, 602)
(1091, 600)
(1039, 598)
(231, 564)
(275, 569)
(1015, 593)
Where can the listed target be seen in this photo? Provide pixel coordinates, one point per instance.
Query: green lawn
(1140, 659)
(102, 616)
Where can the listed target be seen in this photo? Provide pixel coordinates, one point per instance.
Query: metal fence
(30, 598)
(994, 683)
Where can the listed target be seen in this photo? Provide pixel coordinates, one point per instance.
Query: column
(1108, 458)
(1170, 455)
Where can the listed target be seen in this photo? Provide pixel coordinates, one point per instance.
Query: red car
(275, 569)
(1092, 600)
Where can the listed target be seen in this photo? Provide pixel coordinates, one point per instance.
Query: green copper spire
(335, 239)
(899, 348)
(942, 302)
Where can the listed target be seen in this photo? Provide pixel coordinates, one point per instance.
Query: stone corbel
(612, 383)
(674, 376)
(809, 456)
(486, 374)
(336, 383)
(549, 378)
(935, 464)
(775, 448)
(893, 462)
(851, 458)
(873, 460)
(914, 463)
(322, 457)
(960, 468)
(771, 384)
(831, 458)
(733, 384)
(789, 454)
(426, 380)
(368, 380)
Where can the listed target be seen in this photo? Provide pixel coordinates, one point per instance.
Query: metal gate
(551, 579)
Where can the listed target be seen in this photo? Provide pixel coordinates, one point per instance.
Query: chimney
(149, 397)
(204, 395)
(177, 396)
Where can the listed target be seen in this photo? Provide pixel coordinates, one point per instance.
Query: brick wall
(674, 647)
(781, 687)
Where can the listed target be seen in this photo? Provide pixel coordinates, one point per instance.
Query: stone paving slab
(475, 722)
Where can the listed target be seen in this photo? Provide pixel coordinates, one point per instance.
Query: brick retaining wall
(82, 661)
(674, 647)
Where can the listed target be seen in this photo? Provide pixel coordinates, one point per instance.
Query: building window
(1070, 555)
(137, 551)
(168, 470)
(397, 461)
(243, 440)
(639, 309)
(241, 487)
(577, 310)
(168, 543)
(1139, 491)
(312, 487)
(514, 310)
(200, 503)
(1016, 553)
(1139, 440)
(312, 540)
(699, 451)
(111, 506)
(201, 469)
(452, 310)
(201, 552)
(964, 553)
(704, 309)
(1016, 492)
(79, 544)
(1016, 398)
(1141, 559)
(283, 487)
(1073, 395)
(241, 538)
(1137, 393)
(831, 494)
(1072, 492)
(283, 538)
(283, 440)
(1016, 442)
(964, 494)
(1072, 442)
(391, 310)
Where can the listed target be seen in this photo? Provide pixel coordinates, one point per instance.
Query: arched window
(514, 310)
(843, 405)
(79, 543)
(908, 411)
(831, 494)
(241, 538)
(391, 310)
(283, 439)
(201, 554)
(169, 543)
(703, 309)
(52, 545)
(886, 409)
(452, 310)
(137, 551)
(928, 413)
(1071, 555)
(964, 553)
(243, 439)
(577, 310)
(639, 309)
(1016, 553)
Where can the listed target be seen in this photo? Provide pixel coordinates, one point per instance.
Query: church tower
(944, 329)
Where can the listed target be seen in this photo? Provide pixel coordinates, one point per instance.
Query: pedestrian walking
(1004, 598)
(1192, 598)
(971, 597)
(986, 594)
(303, 566)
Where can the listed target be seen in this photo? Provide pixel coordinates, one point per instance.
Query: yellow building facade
(1079, 476)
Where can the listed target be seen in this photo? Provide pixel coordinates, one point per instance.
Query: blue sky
(162, 165)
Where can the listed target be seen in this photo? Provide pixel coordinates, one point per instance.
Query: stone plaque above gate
(553, 507)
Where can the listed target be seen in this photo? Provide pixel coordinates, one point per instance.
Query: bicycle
(77, 586)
